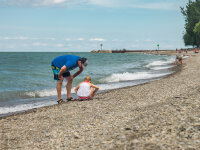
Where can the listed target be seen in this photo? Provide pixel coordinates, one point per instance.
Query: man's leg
(69, 86)
(59, 88)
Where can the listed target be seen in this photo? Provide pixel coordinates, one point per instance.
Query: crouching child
(86, 90)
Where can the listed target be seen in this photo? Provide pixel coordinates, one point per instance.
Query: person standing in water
(61, 67)
(179, 58)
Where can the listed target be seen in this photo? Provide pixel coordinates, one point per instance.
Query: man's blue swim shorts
(56, 71)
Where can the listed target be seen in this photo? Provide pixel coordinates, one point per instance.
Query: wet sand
(162, 114)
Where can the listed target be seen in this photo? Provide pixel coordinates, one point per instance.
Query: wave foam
(160, 62)
(162, 67)
(45, 93)
(23, 107)
(132, 76)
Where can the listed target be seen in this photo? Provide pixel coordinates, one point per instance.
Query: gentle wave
(112, 78)
(161, 63)
(42, 93)
(117, 77)
(162, 67)
(23, 107)
(45, 93)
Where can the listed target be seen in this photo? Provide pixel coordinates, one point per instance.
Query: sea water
(26, 79)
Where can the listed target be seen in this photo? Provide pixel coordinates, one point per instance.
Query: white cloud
(24, 38)
(57, 1)
(10, 47)
(158, 5)
(59, 45)
(14, 38)
(104, 3)
(148, 40)
(48, 2)
(97, 39)
(134, 46)
(48, 39)
(137, 40)
(80, 39)
(25, 45)
(144, 4)
(40, 44)
(34, 3)
(67, 39)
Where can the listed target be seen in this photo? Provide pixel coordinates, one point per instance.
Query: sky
(82, 25)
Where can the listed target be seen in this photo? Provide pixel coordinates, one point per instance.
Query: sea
(26, 78)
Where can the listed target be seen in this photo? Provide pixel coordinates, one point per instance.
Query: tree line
(192, 23)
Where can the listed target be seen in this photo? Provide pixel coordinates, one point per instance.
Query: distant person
(179, 58)
(61, 66)
(181, 50)
(196, 50)
(86, 90)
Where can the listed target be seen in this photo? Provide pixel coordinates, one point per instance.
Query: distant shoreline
(160, 52)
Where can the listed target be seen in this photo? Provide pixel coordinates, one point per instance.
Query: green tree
(197, 28)
(197, 32)
(192, 18)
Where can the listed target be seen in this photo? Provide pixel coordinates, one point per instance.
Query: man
(61, 66)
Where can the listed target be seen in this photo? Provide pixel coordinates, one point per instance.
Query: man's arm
(62, 70)
(80, 69)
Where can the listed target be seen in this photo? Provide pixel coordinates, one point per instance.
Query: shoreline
(160, 52)
(14, 111)
(4, 116)
(174, 69)
(161, 114)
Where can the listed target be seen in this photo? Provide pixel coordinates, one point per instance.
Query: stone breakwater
(163, 114)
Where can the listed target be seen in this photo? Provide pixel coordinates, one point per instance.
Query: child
(179, 58)
(85, 90)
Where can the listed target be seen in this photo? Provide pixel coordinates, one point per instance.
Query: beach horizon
(161, 114)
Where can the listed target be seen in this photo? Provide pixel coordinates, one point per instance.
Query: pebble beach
(158, 115)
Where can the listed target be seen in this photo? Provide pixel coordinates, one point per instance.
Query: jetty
(160, 52)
